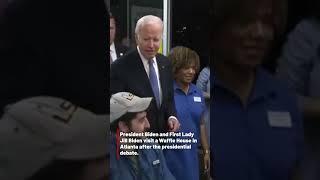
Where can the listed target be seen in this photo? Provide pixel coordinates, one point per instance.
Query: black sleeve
(116, 79)
(170, 106)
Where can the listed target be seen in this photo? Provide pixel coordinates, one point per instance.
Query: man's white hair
(148, 19)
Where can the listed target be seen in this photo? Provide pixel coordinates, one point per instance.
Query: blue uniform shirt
(262, 141)
(184, 164)
(151, 164)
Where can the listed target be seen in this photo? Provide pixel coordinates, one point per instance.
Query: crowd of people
(262, 125)
(176, 104)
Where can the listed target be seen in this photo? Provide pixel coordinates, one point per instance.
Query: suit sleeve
(170, 106)
(116, 79)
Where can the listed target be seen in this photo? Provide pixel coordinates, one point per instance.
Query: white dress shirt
(155, 65)
(113, 52)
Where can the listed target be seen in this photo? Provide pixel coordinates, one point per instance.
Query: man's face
(186, 74)
(149, 39)
(138, 124)
(246, 39)
(112, 30)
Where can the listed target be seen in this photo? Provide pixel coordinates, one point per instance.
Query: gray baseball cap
(38, 130)
(123, 102)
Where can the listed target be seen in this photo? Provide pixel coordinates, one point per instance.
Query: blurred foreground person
(50, 138)
(256, 126)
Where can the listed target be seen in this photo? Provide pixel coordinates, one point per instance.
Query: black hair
(225, 10)
(126, 118)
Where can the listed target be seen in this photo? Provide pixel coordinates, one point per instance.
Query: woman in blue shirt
(256, 127)
(190, 106)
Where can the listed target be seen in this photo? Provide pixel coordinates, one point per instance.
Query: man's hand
(206, 161)
(173, 124)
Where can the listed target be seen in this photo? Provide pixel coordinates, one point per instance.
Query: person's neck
(183, 86)
(239, 80)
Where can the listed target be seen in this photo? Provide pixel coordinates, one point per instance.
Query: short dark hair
(223, 10)
(126, 118)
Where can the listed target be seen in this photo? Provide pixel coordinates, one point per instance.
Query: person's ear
(123, 126)
(136, 37)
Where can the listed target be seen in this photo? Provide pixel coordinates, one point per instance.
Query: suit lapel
(141, 75)
(117, 50)
(161, 68)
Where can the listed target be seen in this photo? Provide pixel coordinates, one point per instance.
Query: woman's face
(186, 74)
(245, 39)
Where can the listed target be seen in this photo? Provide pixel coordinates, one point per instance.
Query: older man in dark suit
(146, 73)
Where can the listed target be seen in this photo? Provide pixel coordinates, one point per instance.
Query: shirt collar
(264, 85)
(143, 58)
(112, 47)
(192, 88)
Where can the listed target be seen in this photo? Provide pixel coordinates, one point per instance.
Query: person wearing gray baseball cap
(50, 138)
(128, 116)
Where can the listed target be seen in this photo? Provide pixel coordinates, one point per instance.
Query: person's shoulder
(195, 89)
(130, 53)
(121, 48)
(271, 80)
(163, 60)
(280, 95)
(205, 71)
(125, 59)
(279, 87)
(114, 162)
(155, 153)
(308, 23)
(308, 28)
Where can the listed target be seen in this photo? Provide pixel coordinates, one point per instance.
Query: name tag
(197, 99)
(156, 162)
(279, 119)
